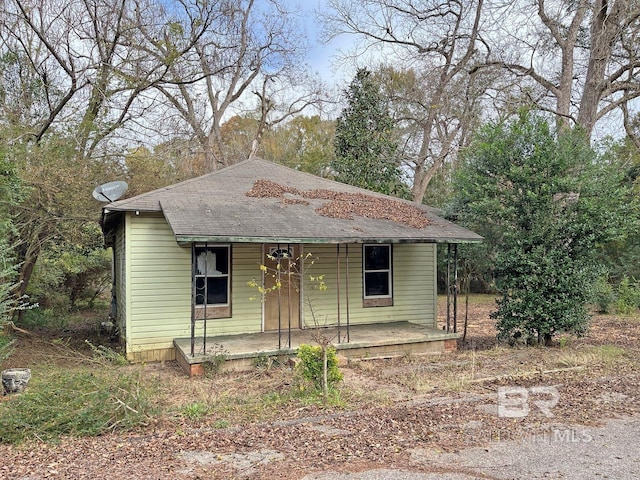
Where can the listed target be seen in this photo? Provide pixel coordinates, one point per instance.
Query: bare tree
(249, 61)
(76, 77)
(84, 57)
(582, 56)
(435, 45)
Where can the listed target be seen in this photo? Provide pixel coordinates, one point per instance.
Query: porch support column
(279, 281)
(452, 288)
(193, 299)
(455, 288)
(206, 297)
(338, 289)
(289, 295)
(346, 248)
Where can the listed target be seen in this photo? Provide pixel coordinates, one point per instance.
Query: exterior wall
(246, 313)
(156, 282)
(153, 288)
(119, 257)
(414, 286)
(158, 285)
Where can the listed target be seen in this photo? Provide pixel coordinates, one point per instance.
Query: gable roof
(291, 207)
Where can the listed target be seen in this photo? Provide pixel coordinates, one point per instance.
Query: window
(211, 281)
(377, 281)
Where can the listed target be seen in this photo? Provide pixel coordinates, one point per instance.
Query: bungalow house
(249, 259)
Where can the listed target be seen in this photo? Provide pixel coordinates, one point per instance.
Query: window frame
(211, 310)
(377, 300)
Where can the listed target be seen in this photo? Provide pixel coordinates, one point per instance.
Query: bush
(628, 298)
(603, 295)
(311, 366)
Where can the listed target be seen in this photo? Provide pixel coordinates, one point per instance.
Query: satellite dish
(110, 192)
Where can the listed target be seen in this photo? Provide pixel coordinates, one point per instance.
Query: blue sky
(322, 56)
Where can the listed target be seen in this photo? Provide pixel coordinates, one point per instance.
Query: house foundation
(373, 341)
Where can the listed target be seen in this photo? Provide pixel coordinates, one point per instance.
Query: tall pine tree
(366, 147)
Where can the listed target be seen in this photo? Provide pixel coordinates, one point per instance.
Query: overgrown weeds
(75, 403)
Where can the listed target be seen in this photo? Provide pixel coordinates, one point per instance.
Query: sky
(322, 57)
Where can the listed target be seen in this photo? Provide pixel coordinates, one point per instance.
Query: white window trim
(388, 270)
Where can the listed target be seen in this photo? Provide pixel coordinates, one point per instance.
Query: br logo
(515, 402)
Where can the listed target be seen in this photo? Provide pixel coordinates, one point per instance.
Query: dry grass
(229, 399)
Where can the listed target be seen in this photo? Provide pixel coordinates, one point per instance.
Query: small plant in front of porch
(319, 367)
(215, 360)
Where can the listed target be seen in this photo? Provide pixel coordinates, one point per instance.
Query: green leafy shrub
(544, 201)
(604, 295)
(628, 297)
(82, 403)
(311, 366)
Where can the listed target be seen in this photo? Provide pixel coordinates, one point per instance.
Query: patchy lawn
(260, 425)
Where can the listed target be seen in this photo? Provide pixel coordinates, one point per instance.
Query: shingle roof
(216, 207)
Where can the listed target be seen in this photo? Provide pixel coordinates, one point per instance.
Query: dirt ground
(389, 409)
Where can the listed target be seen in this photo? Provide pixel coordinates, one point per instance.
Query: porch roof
(290, 207)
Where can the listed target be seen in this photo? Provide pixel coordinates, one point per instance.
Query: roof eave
(188, 239)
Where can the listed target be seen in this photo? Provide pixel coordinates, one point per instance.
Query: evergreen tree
(366, 147)
(544, 203)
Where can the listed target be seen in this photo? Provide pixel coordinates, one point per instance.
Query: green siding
(153, 284)
(158, 307)
(246, 313)
(414, 286)
(159, 288)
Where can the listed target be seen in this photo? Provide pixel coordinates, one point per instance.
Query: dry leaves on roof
(344, 205)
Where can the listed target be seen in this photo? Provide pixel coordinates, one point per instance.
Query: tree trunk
(325, 368)
(604, 31)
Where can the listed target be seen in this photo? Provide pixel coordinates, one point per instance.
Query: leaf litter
(372, 432)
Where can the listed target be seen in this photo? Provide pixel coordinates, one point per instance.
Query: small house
(253, 259)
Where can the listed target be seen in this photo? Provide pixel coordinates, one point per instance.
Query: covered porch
(368, 341)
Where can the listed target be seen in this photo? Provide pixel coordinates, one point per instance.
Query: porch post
(193, 300)
(338, 285)
(206, 297)
(278, 281)
(289, 296)
(455, 288)
(346, 248)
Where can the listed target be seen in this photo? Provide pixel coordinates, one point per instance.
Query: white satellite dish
(110, 192)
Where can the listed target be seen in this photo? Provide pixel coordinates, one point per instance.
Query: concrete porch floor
(380, 340)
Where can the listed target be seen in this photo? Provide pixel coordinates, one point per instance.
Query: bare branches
(244, 62)
(596, 48)
(436, 47)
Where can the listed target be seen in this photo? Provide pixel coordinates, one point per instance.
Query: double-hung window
(377, 275)
(212, 286)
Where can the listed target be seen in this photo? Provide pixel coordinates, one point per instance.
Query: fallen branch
(13, 327)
